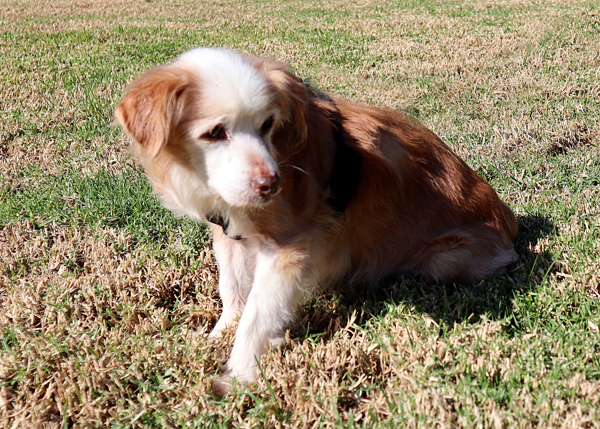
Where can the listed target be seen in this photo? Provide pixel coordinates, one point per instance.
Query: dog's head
(215, 114)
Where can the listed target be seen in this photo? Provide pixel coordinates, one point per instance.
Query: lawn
(104, 295)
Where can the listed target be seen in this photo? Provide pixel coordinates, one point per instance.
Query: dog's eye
(217, 133)
(266, 126)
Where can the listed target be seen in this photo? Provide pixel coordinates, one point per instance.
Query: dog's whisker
(296, 168)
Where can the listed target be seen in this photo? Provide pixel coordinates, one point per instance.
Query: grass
(105, 199)
(100, 288)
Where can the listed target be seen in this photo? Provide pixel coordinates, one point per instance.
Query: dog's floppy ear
(291, 93)
(152, 106)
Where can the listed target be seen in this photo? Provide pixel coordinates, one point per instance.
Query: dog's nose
(266, 186)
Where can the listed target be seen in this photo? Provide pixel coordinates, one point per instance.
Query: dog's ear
(291, 94)
(152, 106)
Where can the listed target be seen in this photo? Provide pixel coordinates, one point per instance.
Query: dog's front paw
(277, 342)
(216, 333)
(222, 384)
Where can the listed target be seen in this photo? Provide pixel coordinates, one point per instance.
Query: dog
(303, 189)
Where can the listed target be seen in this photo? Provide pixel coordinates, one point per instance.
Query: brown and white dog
(303, 190)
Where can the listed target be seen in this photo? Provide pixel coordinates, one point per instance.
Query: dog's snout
(266, 185)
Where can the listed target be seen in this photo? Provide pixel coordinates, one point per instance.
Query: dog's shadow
(491, 298)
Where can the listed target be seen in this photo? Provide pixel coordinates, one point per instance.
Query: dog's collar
(223, 222)
(346, 167)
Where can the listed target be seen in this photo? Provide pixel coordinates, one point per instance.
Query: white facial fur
(241, 97)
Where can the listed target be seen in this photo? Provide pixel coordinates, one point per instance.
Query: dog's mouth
(265, 199)
(273, 195)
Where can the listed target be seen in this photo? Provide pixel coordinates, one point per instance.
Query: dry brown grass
(105, 317)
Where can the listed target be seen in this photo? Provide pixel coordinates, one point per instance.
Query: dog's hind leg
(464, 256)
(236, 261)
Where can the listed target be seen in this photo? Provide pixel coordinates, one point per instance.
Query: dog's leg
(236, 264)
(277, 287)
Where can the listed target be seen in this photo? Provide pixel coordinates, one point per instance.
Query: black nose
(266, 185)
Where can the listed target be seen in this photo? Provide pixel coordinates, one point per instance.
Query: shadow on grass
(492, 298)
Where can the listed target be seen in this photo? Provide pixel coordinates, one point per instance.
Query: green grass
(122, 200)
(100, 286)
